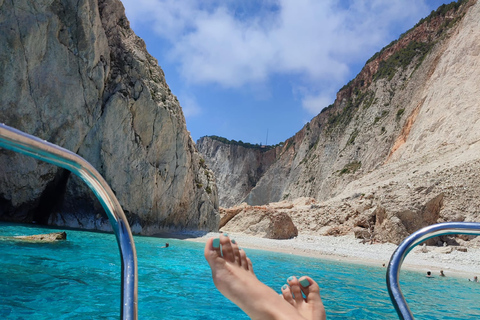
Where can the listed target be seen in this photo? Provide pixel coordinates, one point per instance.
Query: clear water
(80, 279)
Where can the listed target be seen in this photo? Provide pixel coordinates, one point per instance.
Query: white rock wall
(75, 74)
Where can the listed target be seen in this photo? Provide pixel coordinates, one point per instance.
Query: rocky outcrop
(227, 214)
(261, 221)
(404, 132)
(370, 217)
(75, 74)
(49, 237)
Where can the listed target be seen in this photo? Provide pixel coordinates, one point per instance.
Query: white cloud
(315, 104)
(313, 41)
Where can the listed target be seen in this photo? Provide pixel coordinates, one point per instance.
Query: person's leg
(233, 276)
(311, 307)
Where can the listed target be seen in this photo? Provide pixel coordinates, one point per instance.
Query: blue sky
(248, 69)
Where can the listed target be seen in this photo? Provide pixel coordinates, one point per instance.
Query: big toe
(311, 290)
(212, 250)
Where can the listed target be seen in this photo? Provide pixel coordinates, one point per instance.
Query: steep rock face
(75, 74)
(237, 169)
(422, 108)
(405, 132)
(408, 101)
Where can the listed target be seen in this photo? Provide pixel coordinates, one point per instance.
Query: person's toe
(212, 253)
(312, 293)
(310, 288)
(287, 294)
(236, 252)
(250, 265)
(227, 249)
(243, 259)
(295, 288)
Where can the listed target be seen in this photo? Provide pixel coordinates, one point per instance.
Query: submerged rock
(48, 237)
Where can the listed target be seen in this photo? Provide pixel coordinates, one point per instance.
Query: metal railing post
(29, 145)
(407, 245)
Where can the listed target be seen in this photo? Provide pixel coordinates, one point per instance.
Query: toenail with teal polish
(233, 241)
(284, 287)
(225, 234)
(290, 279)
(305, 283)
(216, 243)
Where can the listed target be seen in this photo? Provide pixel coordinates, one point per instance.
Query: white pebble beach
(349, 249)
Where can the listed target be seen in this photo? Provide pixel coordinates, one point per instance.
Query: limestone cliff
(75, 74)
(237, 168)
(405, 132)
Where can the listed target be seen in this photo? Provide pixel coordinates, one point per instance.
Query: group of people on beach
(233, 276)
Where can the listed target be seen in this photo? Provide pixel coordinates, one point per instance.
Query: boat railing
(18, 141)
(393, 271)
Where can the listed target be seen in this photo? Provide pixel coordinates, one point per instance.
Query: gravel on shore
(348, 248)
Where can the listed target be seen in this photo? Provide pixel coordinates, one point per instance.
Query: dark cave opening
(51, 198)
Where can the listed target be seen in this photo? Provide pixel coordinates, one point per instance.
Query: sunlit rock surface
(75, 74)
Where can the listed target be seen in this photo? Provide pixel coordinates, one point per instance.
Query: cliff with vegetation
(75, 74)
(399, 147)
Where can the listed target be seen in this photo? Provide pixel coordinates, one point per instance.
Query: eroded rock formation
(261, 221)
(75, 74)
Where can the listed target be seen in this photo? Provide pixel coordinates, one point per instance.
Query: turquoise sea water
(80, 279)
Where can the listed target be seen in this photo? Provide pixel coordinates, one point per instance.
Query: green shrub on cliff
(441, 11)
(406, 55)
(402, 58)
(244, 144)
(351, 167)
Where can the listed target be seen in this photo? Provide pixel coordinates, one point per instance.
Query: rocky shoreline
(347, 248)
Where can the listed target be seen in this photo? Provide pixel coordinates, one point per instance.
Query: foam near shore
(349, 249)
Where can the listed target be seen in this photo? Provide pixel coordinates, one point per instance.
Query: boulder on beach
(261, 221)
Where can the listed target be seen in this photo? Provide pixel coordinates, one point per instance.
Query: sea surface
(80, 279)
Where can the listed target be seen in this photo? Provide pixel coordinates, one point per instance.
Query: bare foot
(233, 276)
(311, 307)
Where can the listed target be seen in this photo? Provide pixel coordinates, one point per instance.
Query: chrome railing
(23, 143)
(407, 245)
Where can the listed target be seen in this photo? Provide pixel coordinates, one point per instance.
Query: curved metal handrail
(29, 145)
(407, 245)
